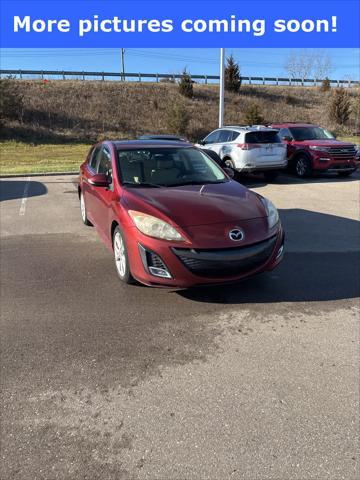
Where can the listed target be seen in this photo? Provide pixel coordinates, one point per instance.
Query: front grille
(343, 153)
(205, 263)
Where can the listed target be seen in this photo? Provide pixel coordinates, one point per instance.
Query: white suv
(248, 149)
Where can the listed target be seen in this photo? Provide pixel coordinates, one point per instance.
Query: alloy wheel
(120, 256)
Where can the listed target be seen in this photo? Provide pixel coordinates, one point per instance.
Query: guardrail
(157, 77)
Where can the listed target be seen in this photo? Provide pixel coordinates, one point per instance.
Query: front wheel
(121, 257)
(303, 167)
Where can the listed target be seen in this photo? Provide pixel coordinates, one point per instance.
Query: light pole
(222, 87)
(123, 64)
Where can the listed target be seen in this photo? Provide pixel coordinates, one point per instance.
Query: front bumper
(187, 267)
(324, 163)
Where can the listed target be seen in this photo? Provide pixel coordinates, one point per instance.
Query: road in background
(250, 381)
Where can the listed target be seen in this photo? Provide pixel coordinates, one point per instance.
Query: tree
(340, 106)
(253, 115)
(232, 75)
(298, 65)
(325, 85)
(185, 85)
(178, 119)
(305, 64)
(322, 66)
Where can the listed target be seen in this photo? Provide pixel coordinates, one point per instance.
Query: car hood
(186, 206)
(326, 143)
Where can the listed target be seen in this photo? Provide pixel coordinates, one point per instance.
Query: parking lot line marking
(24, 197)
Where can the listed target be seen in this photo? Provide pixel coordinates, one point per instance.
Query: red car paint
(337, 156)
(203, 219)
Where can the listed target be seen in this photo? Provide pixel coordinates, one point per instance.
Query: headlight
(272, 213)
(154, 227)
(319, 149)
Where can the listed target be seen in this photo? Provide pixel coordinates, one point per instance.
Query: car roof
(134, 144)
(247, 128)
(292, 124)
(161, 137)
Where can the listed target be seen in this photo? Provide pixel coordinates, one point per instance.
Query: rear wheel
(271, 176)
(83, 210)
(303, 167)
(121, 257)
(346, 174)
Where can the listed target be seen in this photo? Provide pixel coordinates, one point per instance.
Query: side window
(284, 132)
(213, 137)
(94, 157)
(104, 162)
(234, 136)
(227, 136)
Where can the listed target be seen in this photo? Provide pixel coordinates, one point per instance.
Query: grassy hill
(82, 112)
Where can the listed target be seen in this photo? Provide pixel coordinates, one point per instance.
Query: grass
(354, 139)
(18, 157)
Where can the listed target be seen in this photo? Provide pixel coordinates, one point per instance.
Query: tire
(271, 176)
(303, 167)
(84, 217)
(346, 174)
(121, 257)
(227, 162)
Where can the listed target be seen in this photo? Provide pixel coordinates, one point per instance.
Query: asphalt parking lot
(252, 381)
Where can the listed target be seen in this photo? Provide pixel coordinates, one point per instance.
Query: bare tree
(322, 65)
(298, 65)
(303, 64)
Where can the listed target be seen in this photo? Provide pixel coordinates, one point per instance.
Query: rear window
(262, 137)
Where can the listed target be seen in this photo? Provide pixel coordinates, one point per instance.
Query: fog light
(159, 272)
(324, 159)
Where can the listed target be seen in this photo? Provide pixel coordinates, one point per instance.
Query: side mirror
(100, 180)
(201, 142)
(287, 139)
(229, 171)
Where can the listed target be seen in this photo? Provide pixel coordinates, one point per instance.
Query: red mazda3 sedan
(173, 218)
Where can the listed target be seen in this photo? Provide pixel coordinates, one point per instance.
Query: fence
(157, 77)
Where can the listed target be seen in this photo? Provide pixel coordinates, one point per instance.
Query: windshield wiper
(194, 182)
(142, 184)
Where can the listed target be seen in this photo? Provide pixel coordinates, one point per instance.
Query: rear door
(266, 147)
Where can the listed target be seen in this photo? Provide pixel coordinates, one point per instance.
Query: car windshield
(310, 133)
(167, 167)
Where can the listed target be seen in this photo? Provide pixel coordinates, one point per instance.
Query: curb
(50, 174)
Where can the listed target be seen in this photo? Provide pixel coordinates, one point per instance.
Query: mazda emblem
(236, 235)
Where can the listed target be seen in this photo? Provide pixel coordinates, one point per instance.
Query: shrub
(232, 75)
(253, 115)
(11, 100)
(185, 85)
(340, 106)
(178, 119)
(325, 85)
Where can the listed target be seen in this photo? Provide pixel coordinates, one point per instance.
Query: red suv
(172, 217)
(311, 148)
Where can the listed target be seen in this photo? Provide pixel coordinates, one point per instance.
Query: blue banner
(179, 23)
